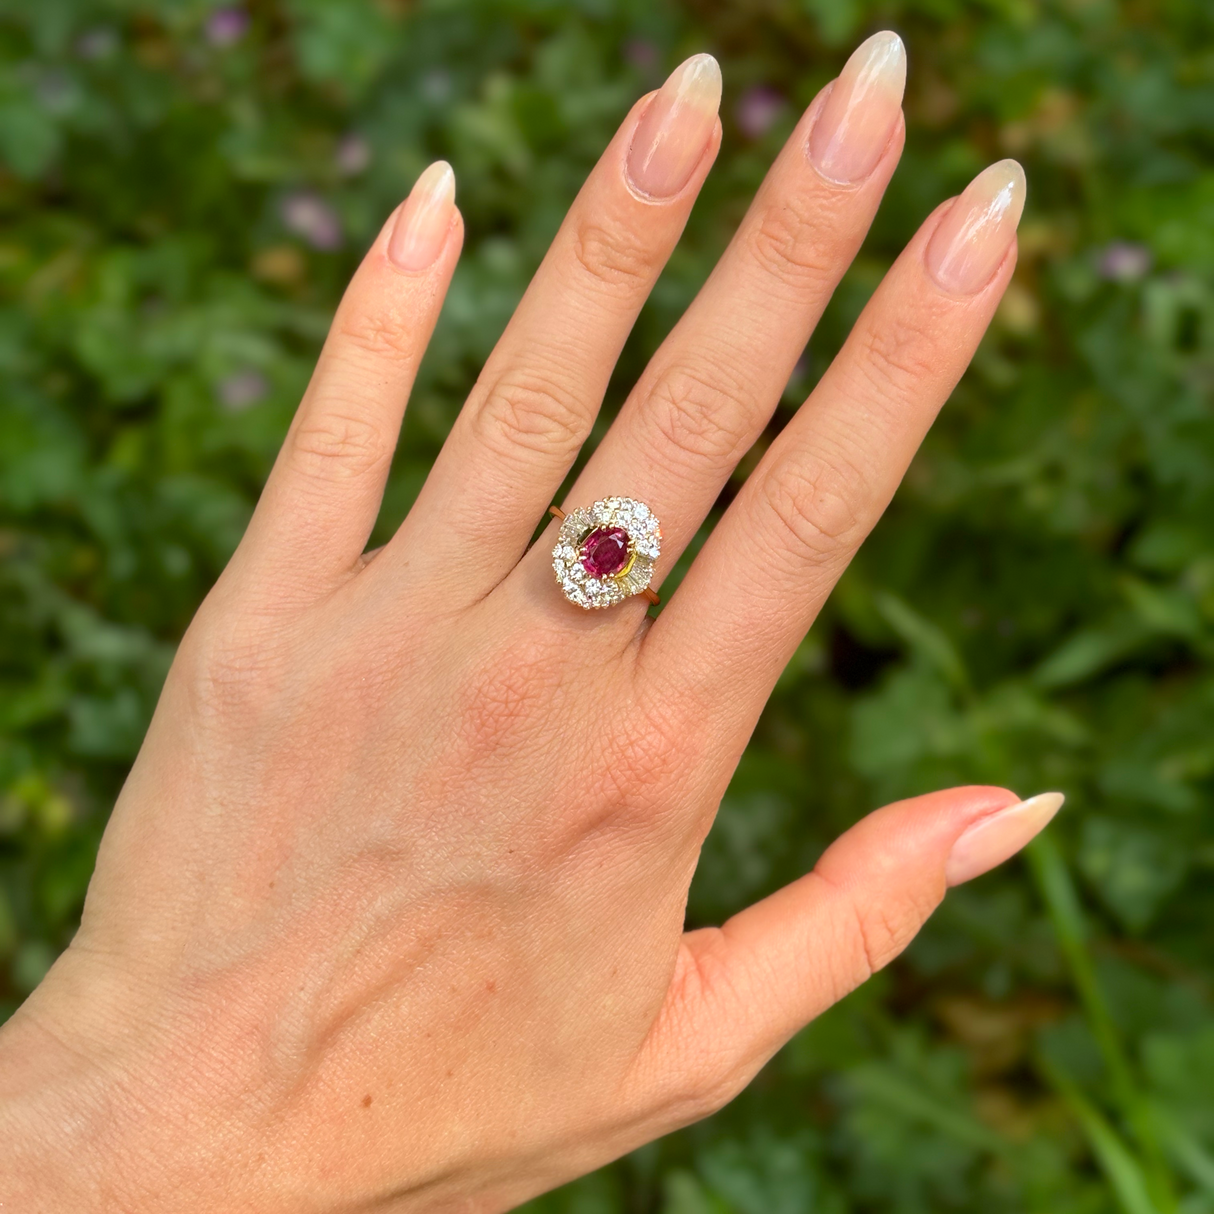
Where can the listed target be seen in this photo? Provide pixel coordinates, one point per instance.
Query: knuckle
(339, 446)
(898, 355)
(884, 930)
(704, 1077)
(872, 931)
(378, 333)
(613, 257)
(653, 746)
(530, 413)
(813, 501)
(785, 243)
(234, 675)
(876, 936)
(503, 699)
(703, 419)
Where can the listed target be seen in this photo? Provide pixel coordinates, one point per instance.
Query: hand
(389, 914)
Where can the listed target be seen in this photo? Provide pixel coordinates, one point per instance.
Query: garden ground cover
(184, 190)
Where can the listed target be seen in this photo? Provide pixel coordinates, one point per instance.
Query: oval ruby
(605, 551)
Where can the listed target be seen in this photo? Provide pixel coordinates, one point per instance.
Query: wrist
(73, 1112)
(52, 1114)
(111, 1103)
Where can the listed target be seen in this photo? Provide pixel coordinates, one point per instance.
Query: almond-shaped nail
(999, 836)
(854, 127)
(674, 131)
(424, 220)
(974, 236)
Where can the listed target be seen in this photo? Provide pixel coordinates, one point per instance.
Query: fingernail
(973, 238)
(673, 132)
(859, 116)
(998, 837)
(425, 219)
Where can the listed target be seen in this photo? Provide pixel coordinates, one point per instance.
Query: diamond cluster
(573, 564)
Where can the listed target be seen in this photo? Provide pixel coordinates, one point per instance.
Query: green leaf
(29, 137)
(1134, 868)
(927, 641)
(1126, 1177)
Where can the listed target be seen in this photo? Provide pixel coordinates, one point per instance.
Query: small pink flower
(242, 390)
(1122, 261)
(642, 54)
(312, 218)
(757, 109)
(353, 155)
(226, 26)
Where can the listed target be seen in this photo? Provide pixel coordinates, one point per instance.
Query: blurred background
(184, 190)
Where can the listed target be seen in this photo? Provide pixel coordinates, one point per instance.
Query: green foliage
(183, 197)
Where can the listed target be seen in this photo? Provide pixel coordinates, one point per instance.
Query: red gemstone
(605, 551)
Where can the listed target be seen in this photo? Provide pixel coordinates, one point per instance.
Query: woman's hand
(389, 914)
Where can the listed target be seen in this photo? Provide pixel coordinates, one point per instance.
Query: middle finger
(711, 388)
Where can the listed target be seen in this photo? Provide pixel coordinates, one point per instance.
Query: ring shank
(558, 513)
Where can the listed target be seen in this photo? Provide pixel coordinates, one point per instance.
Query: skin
(389, 915)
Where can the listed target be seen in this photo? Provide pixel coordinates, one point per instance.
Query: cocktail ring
(605, 553)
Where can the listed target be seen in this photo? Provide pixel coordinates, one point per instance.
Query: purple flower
(353, 155)
(312, 218)
(243, 389)
(641, 54)
(1122, 261)
(226, 26)
(757, 109)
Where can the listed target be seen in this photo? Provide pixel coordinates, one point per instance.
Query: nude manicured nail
(973, 238)
(424, 220)
(674, 131)
(859, 116)
(999, 836)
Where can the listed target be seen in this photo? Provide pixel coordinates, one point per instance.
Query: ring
(605, 553)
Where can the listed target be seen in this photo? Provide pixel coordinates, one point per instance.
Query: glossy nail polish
(858, 117)
(424, 220)
(674, 131)
(999, 836)
(973, 237)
